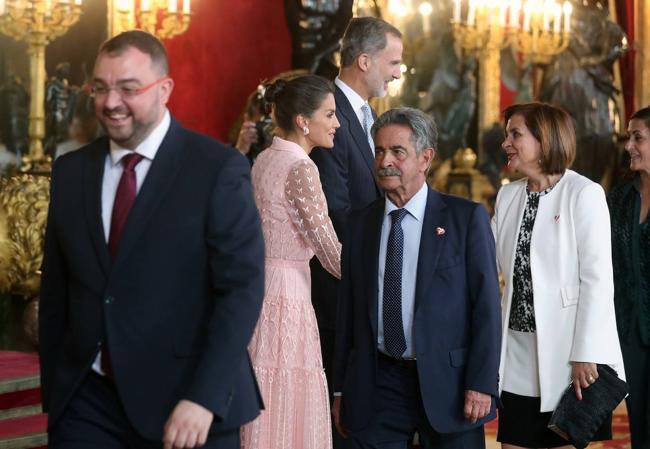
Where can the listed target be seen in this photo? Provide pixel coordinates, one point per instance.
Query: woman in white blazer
(552, 233)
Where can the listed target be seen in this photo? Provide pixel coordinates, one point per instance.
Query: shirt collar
(416, 206)
(148, 147)
(354, 98)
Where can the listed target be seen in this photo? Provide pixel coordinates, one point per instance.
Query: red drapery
(229, 47)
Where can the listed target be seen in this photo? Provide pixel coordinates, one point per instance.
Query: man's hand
(583, 374)
(477, 405)
(336, 413)
(187, 426)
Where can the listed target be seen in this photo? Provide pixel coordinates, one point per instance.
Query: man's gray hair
(424, 132)
(365, 35)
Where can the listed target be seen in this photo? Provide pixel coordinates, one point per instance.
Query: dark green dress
(631, 260)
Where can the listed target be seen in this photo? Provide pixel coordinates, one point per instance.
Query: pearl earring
(305, 130)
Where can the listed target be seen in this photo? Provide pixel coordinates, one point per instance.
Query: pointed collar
(416, 206)
(353, 97)
(148, 147)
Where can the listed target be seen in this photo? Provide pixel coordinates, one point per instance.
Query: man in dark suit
(418, 331)
(152, 281)
(371, 55)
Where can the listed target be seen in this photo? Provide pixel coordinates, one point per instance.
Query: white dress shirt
(412, 227)
(113, 173)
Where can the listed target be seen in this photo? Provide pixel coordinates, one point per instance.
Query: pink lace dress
(285, 347)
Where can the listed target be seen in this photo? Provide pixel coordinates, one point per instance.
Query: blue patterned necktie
(394, 340)
(367, 125)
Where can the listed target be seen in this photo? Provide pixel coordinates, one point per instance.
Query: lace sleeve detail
(308, 212)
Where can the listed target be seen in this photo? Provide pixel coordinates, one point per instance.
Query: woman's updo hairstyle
(301, 95)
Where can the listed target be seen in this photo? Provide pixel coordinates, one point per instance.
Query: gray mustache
(388, 171)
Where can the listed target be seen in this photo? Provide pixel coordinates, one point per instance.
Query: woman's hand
(583, 374)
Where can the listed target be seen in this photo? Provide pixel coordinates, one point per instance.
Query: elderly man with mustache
(418, 330)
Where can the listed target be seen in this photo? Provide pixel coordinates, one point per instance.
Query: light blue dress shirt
(412, 227)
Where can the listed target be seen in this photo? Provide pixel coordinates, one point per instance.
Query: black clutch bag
(577, 421)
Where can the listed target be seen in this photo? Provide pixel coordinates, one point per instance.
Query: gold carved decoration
(466, 181)
(642, 78)
(23, 212)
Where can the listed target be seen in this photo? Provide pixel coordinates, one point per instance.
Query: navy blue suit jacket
(457, 322)
(179, 303)
(346, 170)
(346, 174)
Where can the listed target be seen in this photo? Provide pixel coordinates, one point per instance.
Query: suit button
(109, 300)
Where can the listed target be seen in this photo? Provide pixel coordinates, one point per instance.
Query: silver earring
(305, 130)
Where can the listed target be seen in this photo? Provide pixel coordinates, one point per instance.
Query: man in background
(371, 55)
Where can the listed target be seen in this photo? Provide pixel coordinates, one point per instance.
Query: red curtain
(229, 47)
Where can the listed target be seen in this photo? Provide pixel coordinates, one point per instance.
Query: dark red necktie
(124, 199)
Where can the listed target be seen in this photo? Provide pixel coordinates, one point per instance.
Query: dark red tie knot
(131, 160)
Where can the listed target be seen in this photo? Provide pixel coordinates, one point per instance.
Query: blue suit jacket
(349, 184)
(457, 322)
(179, 303)
(346, 169)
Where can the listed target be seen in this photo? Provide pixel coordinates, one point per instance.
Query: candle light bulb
(568, 9)
(425, 10)
(515, 7)
(456, 11)
(557, 18)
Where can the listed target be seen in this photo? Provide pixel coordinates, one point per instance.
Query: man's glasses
(123, 90)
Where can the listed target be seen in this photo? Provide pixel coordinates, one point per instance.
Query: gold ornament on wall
(23, 212)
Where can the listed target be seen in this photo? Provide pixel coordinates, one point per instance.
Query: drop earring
(305, 130)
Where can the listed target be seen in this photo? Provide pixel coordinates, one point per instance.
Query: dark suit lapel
(93, 180)
(160, 178)
(356, 130)
(371, 260)
(431, 243)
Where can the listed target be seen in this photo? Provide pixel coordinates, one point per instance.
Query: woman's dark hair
(300, 95)
(642, 114)
(553, 129)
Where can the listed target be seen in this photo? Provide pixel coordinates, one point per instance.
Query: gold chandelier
(163, 18)
(537, 28)
(37, 22)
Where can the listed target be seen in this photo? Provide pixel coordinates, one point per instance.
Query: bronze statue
(60, 102)
(14, 115)
(316, 26)
(580, 80)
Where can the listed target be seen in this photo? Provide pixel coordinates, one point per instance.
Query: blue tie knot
(398, 215)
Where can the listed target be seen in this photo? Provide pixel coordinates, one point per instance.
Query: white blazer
(571, 269)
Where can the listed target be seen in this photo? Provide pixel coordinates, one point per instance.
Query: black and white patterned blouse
(522, 313)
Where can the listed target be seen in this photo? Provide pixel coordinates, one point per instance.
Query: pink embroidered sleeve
(308, 210)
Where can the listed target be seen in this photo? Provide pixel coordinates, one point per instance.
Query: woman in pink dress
(285, 347)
